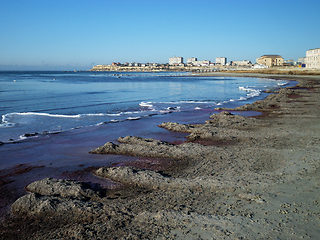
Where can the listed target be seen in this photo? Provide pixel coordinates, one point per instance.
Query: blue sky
(77, 34)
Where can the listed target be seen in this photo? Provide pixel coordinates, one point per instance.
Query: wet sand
(252, 179)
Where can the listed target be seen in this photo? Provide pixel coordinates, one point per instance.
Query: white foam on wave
(282, 83)
(252, 92)
(128, 113)
(246, 89)
(186, 102)
(6, 125)
(114, 121)
(133, 118)
(146, 104)
(174, 108)
(22, 137)
(5, 118)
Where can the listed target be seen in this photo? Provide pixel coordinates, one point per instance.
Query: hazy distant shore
(214, 70)
(234, 177)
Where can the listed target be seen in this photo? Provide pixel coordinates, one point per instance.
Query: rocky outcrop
(135, 176)
(32, 204)
(155, 180)
(223, 125)
(57, 196)
(63, 188)
(229, 120)
(137, 146)
(221, 120)
(177, 127)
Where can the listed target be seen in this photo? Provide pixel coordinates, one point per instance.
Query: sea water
(33, 104)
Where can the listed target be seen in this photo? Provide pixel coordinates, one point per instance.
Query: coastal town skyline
(76, 35)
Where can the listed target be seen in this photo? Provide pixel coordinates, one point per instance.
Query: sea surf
(34, 104)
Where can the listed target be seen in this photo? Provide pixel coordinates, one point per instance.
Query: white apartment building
(175, 60)
(192, 60)
(313, 58)
(221, 61)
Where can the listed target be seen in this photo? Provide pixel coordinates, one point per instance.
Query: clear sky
(78, 34)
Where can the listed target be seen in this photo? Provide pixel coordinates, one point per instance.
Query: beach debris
(33, 203)
(63, 188)
(251, 197)
(58, 195)
(134, 176)
(155, 180)
(147, 147)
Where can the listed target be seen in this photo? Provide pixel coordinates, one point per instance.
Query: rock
(154, 180)
(223, 125)
(57, 196)
(134, 176)
(31, 204)
(31, 134)
(176, 127)
(63, 188)
(228, 120)
(109, 147)
(142, 141)
(146, 147)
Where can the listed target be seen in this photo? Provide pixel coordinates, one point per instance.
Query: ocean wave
(6, 117)
(145, 104)
(252, 92)
(178, 102)
(280, 83)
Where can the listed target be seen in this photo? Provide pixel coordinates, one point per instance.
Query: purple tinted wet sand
(66, 155)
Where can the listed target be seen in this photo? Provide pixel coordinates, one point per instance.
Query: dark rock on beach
(145, 147)
(54, 195)
(63, 188)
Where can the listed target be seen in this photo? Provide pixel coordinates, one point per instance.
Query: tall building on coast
(221, 61)
(313, 58)
(175, 60)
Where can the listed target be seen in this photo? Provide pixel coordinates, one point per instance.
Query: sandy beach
(233, 177)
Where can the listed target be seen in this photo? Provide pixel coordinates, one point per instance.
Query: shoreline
(253, 186)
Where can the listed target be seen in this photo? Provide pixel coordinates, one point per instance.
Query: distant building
(313, 58)
(175, 60)
(192, 61)
(242, 63)
(221, 61)
(302, 60)
(289, 62)
(202, 63)
(270, 60)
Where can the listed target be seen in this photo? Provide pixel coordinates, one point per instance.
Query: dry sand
(234, 178)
